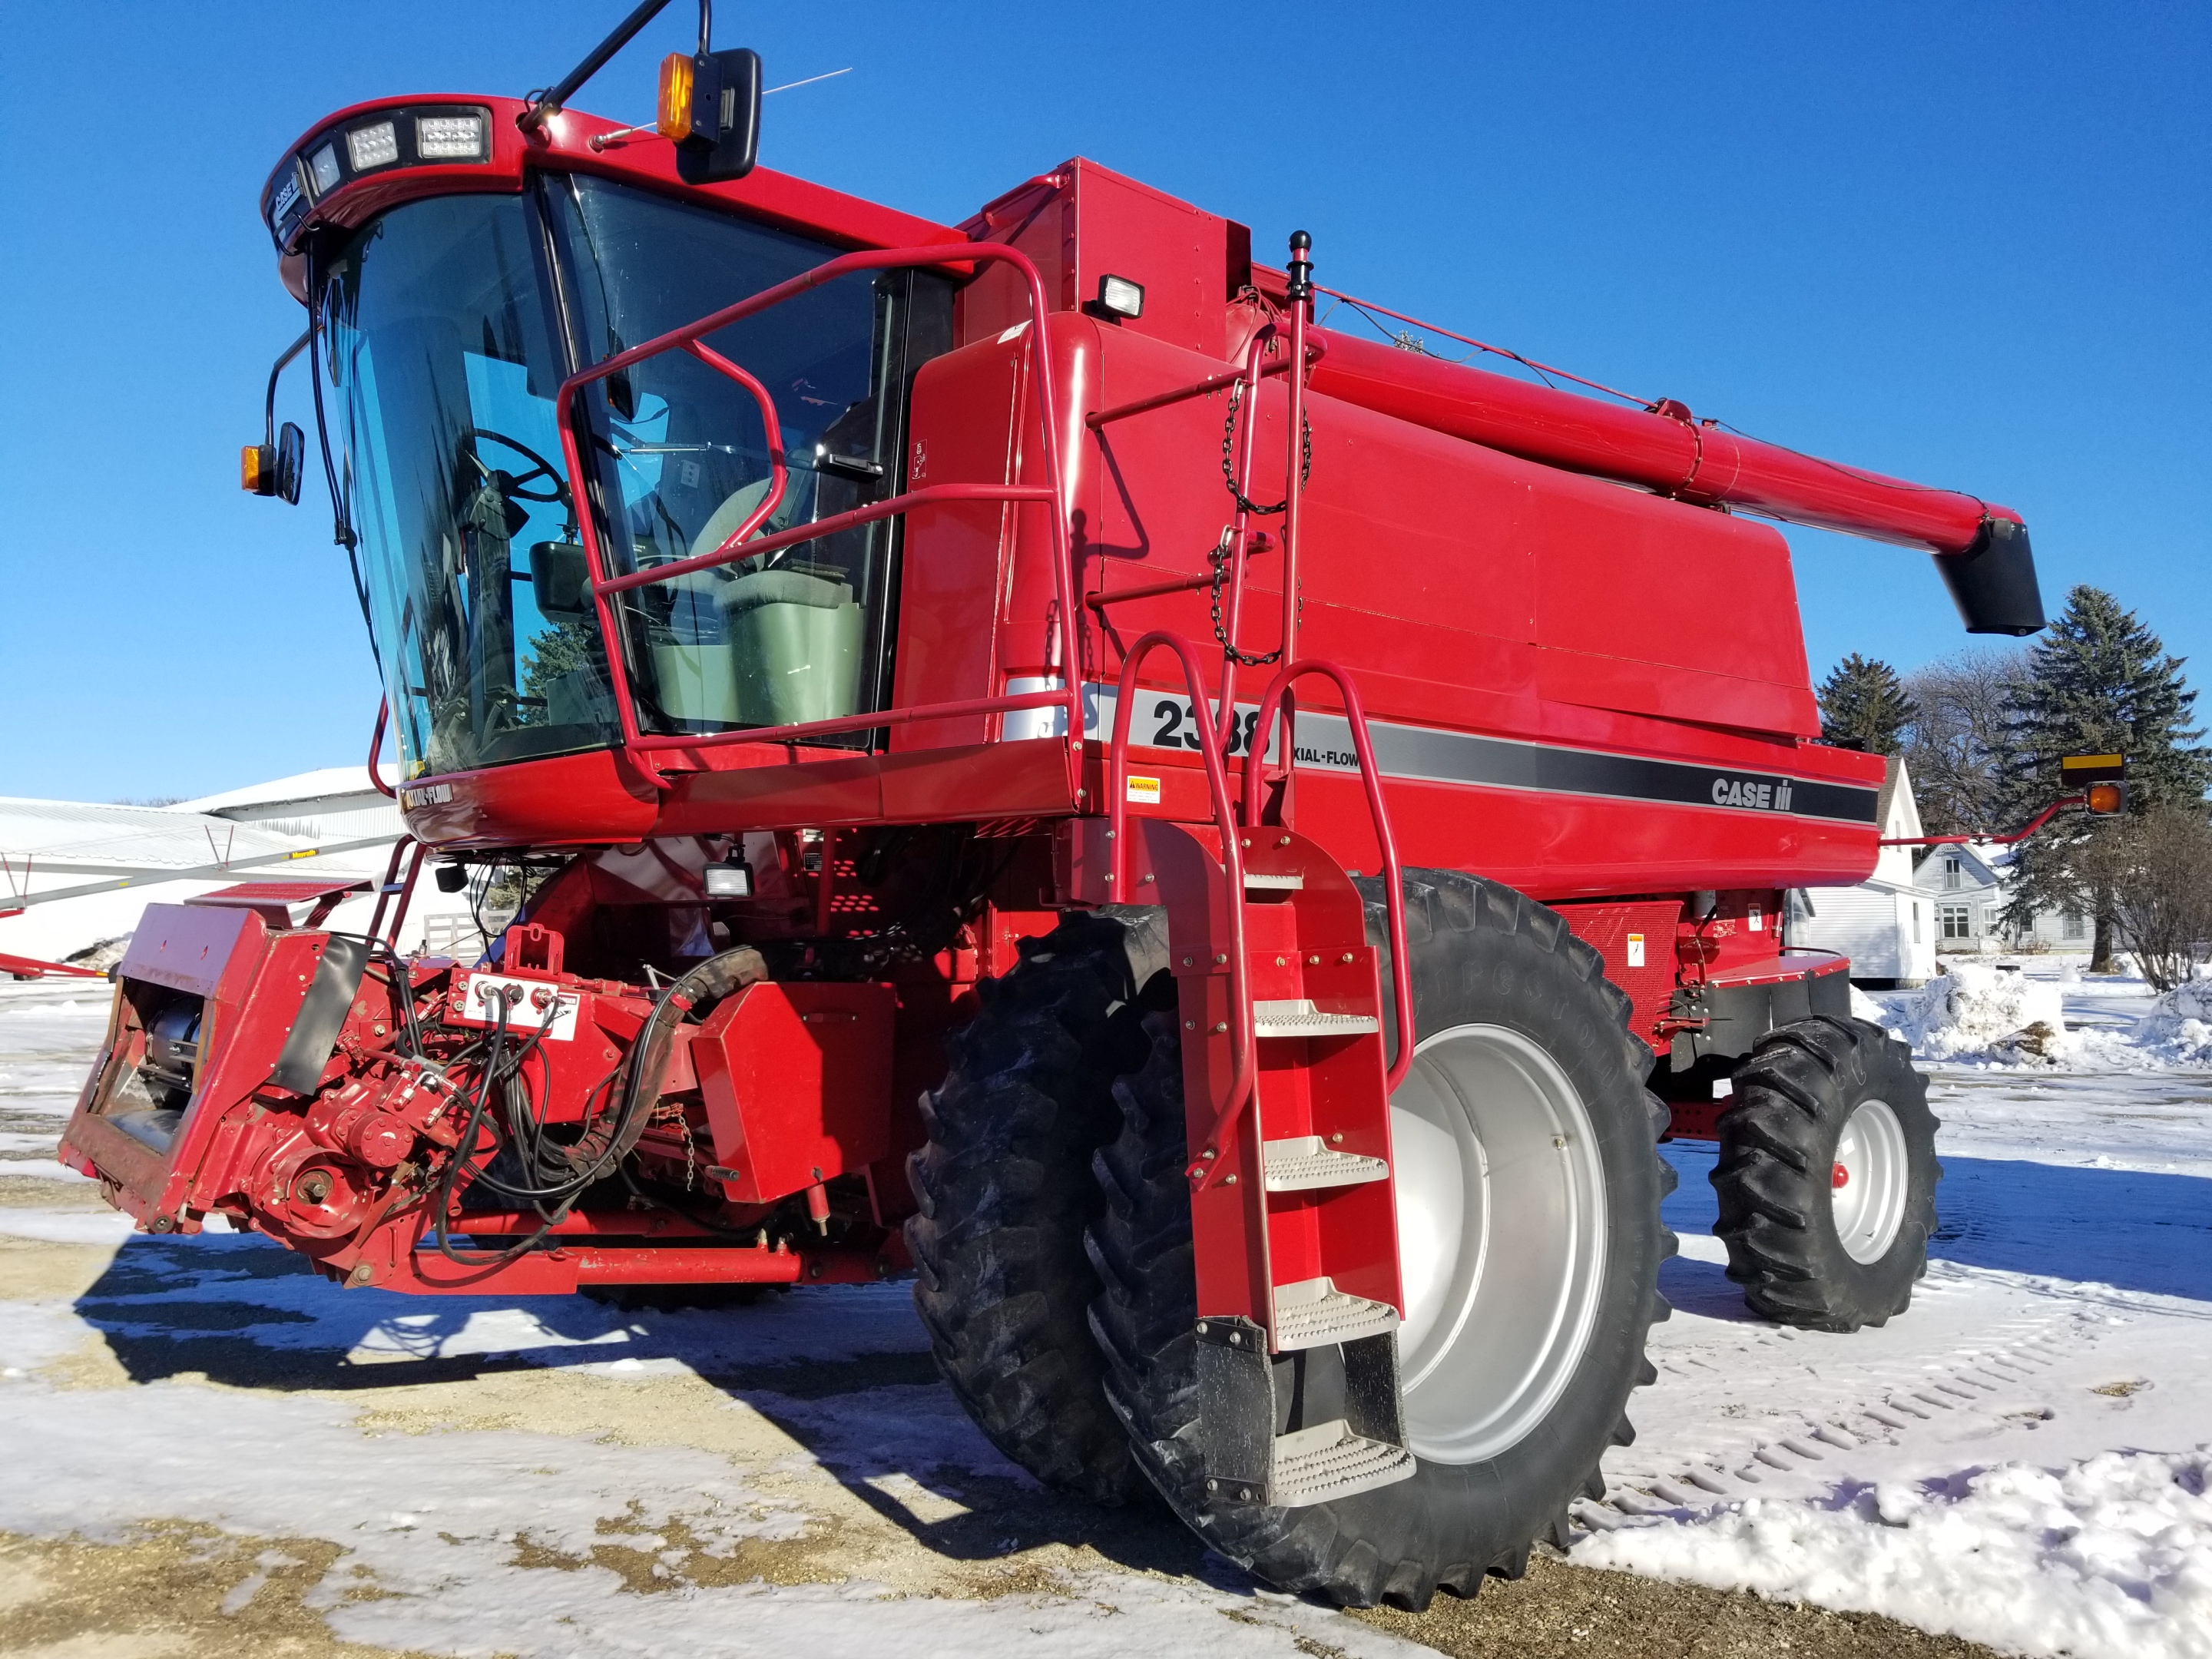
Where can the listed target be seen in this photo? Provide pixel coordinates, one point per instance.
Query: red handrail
(376, 743)
(1232, 864)
(635, 744)
(392, 885)
(1370, 775)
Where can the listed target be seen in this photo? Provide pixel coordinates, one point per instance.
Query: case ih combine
(1217, 844)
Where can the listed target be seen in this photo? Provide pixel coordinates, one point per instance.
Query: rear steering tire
(1826, 1176)
(1529, 1298)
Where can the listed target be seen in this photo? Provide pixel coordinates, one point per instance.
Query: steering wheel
(540, 468)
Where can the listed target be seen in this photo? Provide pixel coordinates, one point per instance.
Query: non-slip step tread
(1304, 1163)
(1292, 1017)
(1266, 883)
(1314, 1314)
(1319, 1465)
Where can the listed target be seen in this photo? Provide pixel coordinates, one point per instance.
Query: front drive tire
(1528, 1295)
(1005, 1189)
(1818, 1099)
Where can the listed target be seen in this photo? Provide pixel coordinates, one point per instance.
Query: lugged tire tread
(1004, 1187)
(1777, 1138)
(1141, 1244)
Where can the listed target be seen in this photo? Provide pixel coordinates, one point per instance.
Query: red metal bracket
(2022, 834)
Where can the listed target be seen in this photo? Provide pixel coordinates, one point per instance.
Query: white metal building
(76, 874)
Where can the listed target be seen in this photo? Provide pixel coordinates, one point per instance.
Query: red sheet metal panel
(1637, 940)
(796, 1078)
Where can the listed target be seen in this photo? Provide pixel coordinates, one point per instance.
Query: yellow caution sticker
(1144, 791)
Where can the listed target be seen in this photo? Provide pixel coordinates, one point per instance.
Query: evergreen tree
(1863, 705)
(2097, 682)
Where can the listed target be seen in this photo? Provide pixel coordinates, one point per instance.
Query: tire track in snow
(1703, 1460)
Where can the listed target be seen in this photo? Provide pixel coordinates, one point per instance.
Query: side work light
(1120, 297)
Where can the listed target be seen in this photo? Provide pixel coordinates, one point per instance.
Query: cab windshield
(449, 325)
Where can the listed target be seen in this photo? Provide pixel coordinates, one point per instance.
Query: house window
(2073, 925)
(1952, 876)
(1958, 920)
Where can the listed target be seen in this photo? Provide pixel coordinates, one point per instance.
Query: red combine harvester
(1032, 762)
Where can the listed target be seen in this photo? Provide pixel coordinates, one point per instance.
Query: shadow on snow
(844, 1371)
(2128, 1229)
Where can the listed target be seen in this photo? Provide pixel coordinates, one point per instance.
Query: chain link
(1220, 557)
(1229, 457)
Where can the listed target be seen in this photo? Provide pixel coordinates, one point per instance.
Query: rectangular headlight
(733, 880)
(449, 138)
(324, 165)
(1121, 296)
(373, 146)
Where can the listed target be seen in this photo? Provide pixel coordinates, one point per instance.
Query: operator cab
(445, 327)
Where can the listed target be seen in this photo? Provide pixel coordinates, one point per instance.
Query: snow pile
(2180, 1025)
(1866, 1008)
(2111, 1558)
(1977, 1012)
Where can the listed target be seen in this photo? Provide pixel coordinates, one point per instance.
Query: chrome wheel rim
(1867, 1185)
(1500, 1191)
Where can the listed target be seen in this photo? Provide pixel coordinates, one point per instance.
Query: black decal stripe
(1431, 755)
(1423, 752)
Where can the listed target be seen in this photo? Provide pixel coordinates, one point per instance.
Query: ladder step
(1303, 1163)
(1328, 1462)
(1314, 1314)
(1298, 1016)
(1254, 880)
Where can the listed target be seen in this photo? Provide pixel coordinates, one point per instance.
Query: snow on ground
(791, 1471)
(2025, 1458)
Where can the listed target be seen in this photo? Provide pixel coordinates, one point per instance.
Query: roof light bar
(435, 135)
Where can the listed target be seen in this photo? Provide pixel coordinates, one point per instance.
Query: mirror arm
(549, 102)
(340, 526)
(269, 405)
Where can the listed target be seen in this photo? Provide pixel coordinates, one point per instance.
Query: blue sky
(1967, 244)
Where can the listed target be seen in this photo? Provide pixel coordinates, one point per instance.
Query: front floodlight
(732, 880)
(324, 165)
(374, 146)
(449, 138)
(1122, 297)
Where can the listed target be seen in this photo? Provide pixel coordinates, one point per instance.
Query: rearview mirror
(291, 451)
(274, 469)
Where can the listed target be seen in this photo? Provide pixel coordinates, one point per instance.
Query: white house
(1885, 924)
(76, 874)
(1967, 884)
